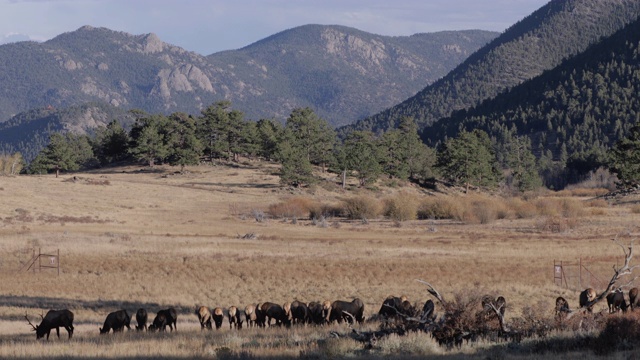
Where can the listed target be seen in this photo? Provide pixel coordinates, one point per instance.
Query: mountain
(572, 113)
(342, 73)
(539, 42)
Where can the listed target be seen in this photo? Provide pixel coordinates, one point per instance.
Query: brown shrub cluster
(295, 207)
(361, 207)
(401, 207)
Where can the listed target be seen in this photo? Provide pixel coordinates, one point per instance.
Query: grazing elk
(232, 314)
(218, 317)
(348, 311)
(141, 319)
(261, 316)
(287, 311)
(53, 320)
(616, 301)
(204, 316)
(326, 310)
(394, 306)
(250, 315)
(164, 318)
(428, 311)
(633, 298)
(241, 318)
(316, 313)
(117, 321)
(562, 308)
(587, 296)
(299, 312)
(275, 312)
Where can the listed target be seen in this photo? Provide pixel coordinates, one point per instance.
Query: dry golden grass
(157, 238)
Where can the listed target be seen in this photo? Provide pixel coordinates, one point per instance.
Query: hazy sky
(208, 26)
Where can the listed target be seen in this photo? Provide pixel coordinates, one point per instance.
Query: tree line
(305, 140)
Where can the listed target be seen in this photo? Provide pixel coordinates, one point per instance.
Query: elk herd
(616, 301)
(313, 313)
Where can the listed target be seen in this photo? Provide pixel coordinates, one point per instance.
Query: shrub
(401, 207)
(440, 208)
(361, 207)
(522, 209)
(295, 207)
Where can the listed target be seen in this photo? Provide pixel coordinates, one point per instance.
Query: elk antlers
(35, 328)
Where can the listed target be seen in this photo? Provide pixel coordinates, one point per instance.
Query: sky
(209, 26)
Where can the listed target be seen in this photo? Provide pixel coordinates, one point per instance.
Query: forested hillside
(29, 132)
(573, 113)
(539, 42)
(343, 73)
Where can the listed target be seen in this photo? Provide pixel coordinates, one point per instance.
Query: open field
(130, 238)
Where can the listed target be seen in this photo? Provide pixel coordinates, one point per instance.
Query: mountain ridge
(266, 79)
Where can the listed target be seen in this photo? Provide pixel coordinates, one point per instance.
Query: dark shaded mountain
(574, 112)
(539, 42)
(28, 132)
(342, 73)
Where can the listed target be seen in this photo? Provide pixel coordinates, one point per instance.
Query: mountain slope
(342, 73)
(28, 132)
(575, 111)
(539, 42)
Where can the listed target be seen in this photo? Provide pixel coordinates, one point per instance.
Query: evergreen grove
(221, 133)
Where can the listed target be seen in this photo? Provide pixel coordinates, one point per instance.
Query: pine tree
(149, 140)
(625, 159)
(362, 155)
(184, 146)
(469, 160)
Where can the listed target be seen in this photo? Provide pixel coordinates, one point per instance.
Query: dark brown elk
(316, 315)
(141, 319)
(261, 316)
(164, 318)
(53, 320)
(616, 301)
(633, 298)
(344, 310)
(204, 316)
(117, 321)
(218, 317)
(587, 296)
(232, 315)
(250, 315)
(275, 312)
(299, 312)
(394, 306)
(562, 308)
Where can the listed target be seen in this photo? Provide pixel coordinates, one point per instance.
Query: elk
(117, 321)
(562, 307)
(587, 296)
(275, 312)
(218, 316)
(250, 314)
(204, 316)
(633, 297)
(232, 315)
(53, 320)
(141, 319)
(316, 315)
(616, 301)
(164, 318)
(341, 309)
(299, 312)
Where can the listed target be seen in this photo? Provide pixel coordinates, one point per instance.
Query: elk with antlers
(53, 320)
